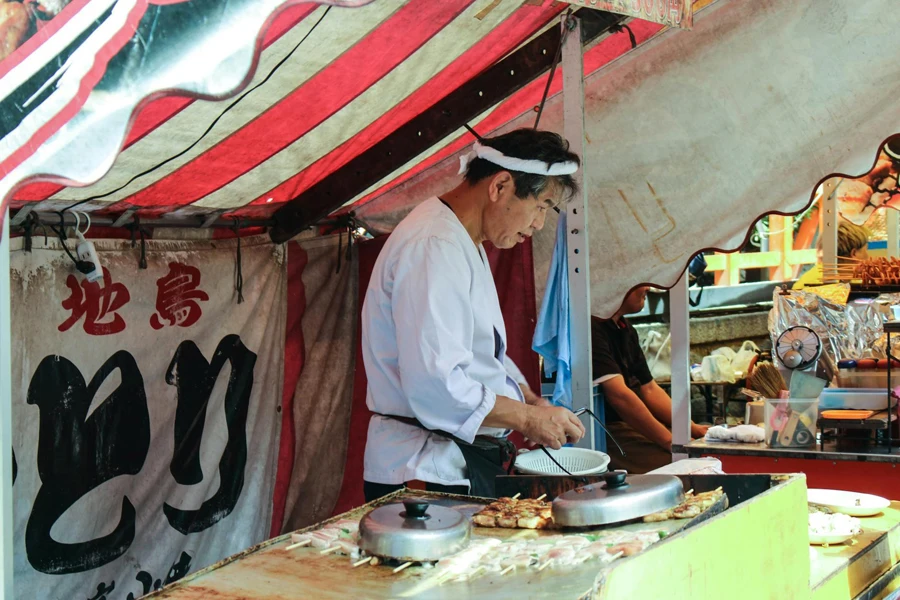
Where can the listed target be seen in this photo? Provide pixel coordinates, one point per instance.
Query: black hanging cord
(618, 27)
(602, 426)
(562, 39)
(61, 234)
(342, 254)
(138, 232)
(142, 262)
(555, 462)
(473, 132)
(208, 129)
(340, 250)
(239, 275)
(350, 227)
(28, 231)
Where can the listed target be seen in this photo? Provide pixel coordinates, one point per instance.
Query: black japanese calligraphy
(103, 590)
(194, 379)
(77, 454)
(178, 570)
(146, 580)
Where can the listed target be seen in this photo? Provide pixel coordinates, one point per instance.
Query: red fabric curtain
(514, 276)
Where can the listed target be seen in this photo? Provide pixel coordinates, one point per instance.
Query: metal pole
(893, 231)
(577, 231)
(828, 224)
(679, 313)
(6, 487)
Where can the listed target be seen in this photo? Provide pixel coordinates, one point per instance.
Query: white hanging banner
(145, 412)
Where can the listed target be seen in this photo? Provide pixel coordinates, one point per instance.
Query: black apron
(484, 457)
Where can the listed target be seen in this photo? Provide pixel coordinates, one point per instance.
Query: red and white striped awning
(330, 83)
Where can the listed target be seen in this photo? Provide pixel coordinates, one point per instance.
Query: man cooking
(638, 411)
(433, 336)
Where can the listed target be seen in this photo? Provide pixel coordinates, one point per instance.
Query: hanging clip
(138, 232)
(86, 252)
(27, 230)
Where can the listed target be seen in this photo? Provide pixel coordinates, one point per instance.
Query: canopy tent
(328, 87)
(334, 89)
(310, 110)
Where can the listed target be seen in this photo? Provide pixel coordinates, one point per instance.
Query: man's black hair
(527, 144)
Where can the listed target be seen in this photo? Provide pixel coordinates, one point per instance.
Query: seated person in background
(853, 242)
(638, 411)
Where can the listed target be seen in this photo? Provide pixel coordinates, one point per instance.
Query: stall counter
(765, 535)
(873, 470)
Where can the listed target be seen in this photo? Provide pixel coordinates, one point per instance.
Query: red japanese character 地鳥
(177, 297)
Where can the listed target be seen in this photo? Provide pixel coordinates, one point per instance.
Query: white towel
(741, 433)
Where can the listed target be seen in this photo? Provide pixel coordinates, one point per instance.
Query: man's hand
(552, 426)
(531, 398)
(698, 431)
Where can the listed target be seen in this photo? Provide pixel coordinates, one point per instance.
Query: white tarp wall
(695, 134)
(145, 423)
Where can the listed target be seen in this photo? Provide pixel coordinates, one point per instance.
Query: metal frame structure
(679, 326)
(578, 246)
(446, 116)
(6, 477)
(828, 223)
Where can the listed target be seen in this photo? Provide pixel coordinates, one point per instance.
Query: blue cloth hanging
(551, 334)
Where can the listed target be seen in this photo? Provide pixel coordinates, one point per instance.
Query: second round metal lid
(620, 497)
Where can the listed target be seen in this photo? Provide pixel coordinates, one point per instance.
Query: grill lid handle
(615, 479)
(415, 509)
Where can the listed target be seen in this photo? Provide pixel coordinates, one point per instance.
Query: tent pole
(893, 231)
(6, 486)
(681, 363)
(828, 224)
(577, 231)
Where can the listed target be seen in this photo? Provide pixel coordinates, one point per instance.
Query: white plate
(818, 540)
(848, 503)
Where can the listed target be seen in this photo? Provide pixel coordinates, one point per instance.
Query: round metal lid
(620, 497)
(414, 531)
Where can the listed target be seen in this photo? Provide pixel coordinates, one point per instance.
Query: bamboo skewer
(472, 575)
(541, 497)
(516, 497)
(330, 550)
(545, 565)
(507, 569)
(401, 567)
(362, 561)
(299, 545)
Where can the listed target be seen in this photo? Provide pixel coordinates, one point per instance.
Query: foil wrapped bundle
(847, 330)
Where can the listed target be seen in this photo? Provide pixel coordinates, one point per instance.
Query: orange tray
(853, 415)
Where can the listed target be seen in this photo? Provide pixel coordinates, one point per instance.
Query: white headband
(535, 167)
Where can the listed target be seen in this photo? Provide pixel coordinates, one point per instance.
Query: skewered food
(693, 506)
(513, 513)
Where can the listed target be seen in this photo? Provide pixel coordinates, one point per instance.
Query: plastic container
(873, 378)
(855, 398)
(577, 461)
(791, 423)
